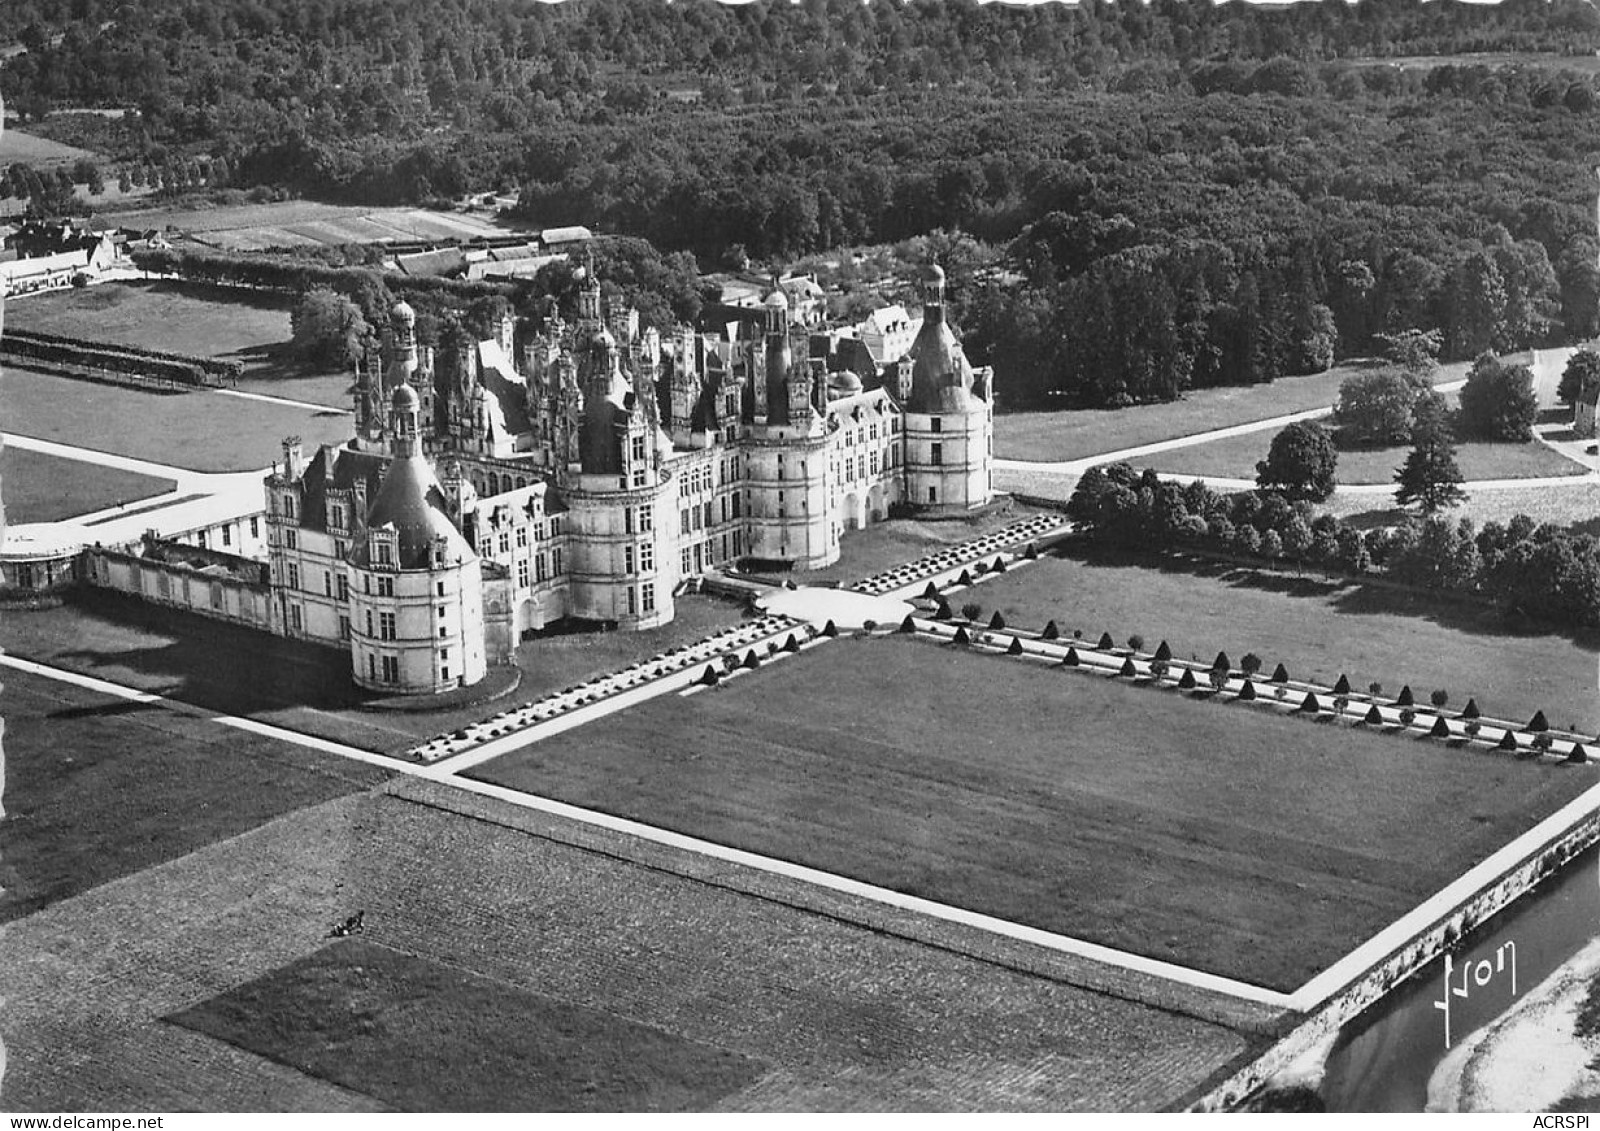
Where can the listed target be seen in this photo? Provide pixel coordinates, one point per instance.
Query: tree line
(1527, 568)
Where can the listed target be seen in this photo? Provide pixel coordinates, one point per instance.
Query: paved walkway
(325, 409)
(448, 774)
(200, 499)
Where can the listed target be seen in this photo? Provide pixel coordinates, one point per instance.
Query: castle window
(386, 587)
(522, 537)
(366, 587)
(633, 600)
(937, 425)
(539, 567)
(708, 513)
(295, 617)
(294, 576)
(627, 520)
(638, 478)
(936, 454)
(738, 547)
(687, 562)
(647, 597)
(555, 562)
(440, 588)
(647, 557)
(344, 587)
(344, 628)
(227, 534)
(933, 494)
(646, 519)
(327, 584)
(441, 612)
(638, 449)
(736, 504)
(255, 528)
(372, 666)
(627, 559)
(505, 541)
(522, 573)
(291, 541)
(385, 554)
(386, 626)
(391, 669)
(685, 516)
(369, 622)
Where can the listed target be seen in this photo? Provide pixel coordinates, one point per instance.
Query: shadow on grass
(1345, 596)
(101, 711)
(209, 664)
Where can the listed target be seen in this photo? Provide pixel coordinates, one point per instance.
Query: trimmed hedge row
(107, 360)
(221, 368)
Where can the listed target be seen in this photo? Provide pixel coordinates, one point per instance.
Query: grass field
(1317, 628)
(1236, 841)
(238, 671)
(45, 488)
(200, 430)
(1235, 458)
(98, 788)
(15, 145)
(191, 319)
(421, 1036)
(1078, 434)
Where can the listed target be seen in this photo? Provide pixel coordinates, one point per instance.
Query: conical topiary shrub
(1578, 753)
(1374, 716)
(1470, 711)
(1128, 669)
(1309, 704)
(999, 564)
(1343, 686)
(1508, 741)
(751, 660)
(908, 625)
(830, 629)
(1248, 691)
(1280, 674)
(1016, 647)
(931, 592)
(1031, 553)
(996, 622)
(1071, 658)
(1441, 729)
(944, 611)
(1106, 643)
(1051, 632)
(965, 578)
(1222, 663)
(711, 677)
(1163, 653)
(1187, 680)
(1538, 723)
(961, 636)
(793, 645)
(1405, 698)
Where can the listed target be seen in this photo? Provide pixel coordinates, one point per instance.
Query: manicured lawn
(237, 671)
(44, 488)
(1053, 436)
(1319, 629)
(1577, 502)
(1235, 458)
(98, 788)
(1259, 846)
(559, 660)
(156, 315)
(200, 430)
(421, 1036)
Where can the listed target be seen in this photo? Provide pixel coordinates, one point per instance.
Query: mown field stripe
(827, 880)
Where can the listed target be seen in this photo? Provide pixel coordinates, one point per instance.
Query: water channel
(1383, 1058)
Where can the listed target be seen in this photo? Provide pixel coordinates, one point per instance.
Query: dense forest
(1192, 193)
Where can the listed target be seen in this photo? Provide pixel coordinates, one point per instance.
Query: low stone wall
(218, 595)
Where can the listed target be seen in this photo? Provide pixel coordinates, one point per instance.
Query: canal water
(1383, 1058)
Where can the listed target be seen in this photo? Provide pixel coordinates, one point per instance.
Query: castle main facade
(493, 488)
